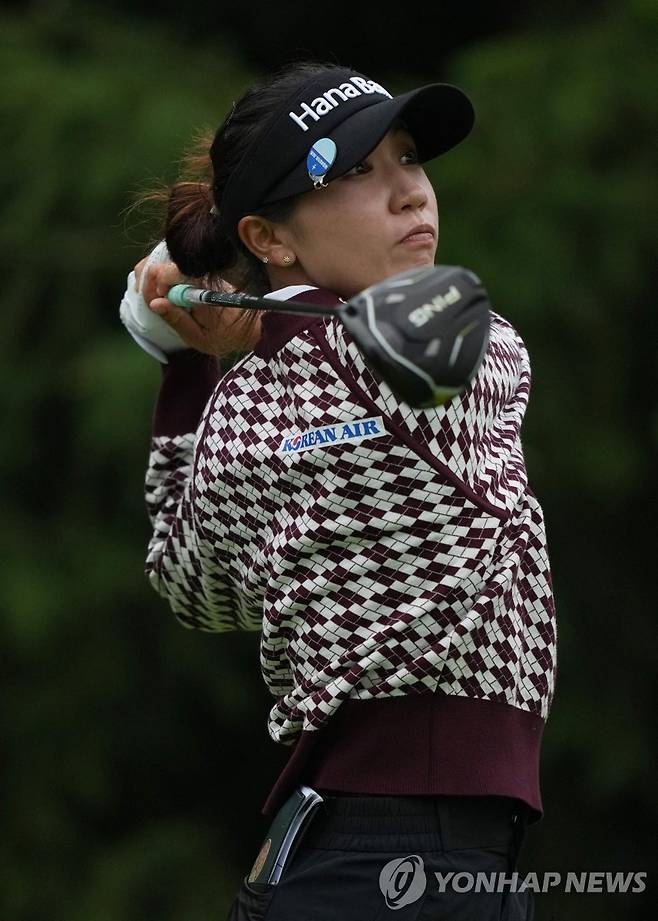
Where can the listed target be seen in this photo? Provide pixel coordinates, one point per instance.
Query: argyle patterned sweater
(394, 559)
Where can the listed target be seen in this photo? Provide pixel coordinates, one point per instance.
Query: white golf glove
(148, 329)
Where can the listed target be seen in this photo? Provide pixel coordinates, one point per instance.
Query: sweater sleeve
(475, 437)
(185, 564)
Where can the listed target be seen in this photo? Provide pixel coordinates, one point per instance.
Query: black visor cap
(438, 117)
(355, 113)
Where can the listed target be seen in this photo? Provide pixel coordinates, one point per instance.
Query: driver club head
(424, 331)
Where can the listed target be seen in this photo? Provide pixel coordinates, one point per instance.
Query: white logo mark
(421, 315)
(322, 105)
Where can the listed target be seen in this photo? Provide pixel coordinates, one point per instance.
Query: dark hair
(193, 234)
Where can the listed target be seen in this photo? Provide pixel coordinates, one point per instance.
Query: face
(355, 232)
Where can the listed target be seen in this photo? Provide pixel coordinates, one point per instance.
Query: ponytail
(199, 248)
(192, 234)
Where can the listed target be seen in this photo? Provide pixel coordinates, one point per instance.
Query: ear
(262, 238)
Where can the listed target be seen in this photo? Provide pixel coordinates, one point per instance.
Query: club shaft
(187, 296)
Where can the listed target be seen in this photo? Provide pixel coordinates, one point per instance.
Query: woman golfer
(398, 571)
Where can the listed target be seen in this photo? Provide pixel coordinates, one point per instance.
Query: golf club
(424, 331)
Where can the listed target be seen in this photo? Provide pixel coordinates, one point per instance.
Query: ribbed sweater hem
(419, 744)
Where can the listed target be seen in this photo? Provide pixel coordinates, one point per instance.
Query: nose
(408, 193)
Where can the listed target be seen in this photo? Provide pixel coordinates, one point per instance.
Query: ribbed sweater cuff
(188, 380)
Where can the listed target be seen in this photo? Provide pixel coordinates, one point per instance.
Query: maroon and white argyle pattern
(412, 561)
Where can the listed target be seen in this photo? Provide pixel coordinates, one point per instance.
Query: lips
(415, 233)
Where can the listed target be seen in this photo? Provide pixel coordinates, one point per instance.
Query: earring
(287, 260)
(265, 259)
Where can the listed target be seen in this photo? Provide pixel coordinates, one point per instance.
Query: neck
(281, 278)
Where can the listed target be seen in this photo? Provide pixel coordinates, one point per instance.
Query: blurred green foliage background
(135, 754)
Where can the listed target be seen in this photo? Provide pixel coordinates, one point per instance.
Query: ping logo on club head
(402, 881)
(422, 314)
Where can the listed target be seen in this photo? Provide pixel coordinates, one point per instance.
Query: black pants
(374, 858)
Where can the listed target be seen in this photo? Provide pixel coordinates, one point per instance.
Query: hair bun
(193, 236)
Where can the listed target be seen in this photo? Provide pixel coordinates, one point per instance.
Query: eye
(359, 170)
(412, 154)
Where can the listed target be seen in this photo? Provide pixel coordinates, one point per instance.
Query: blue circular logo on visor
(319, 161)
